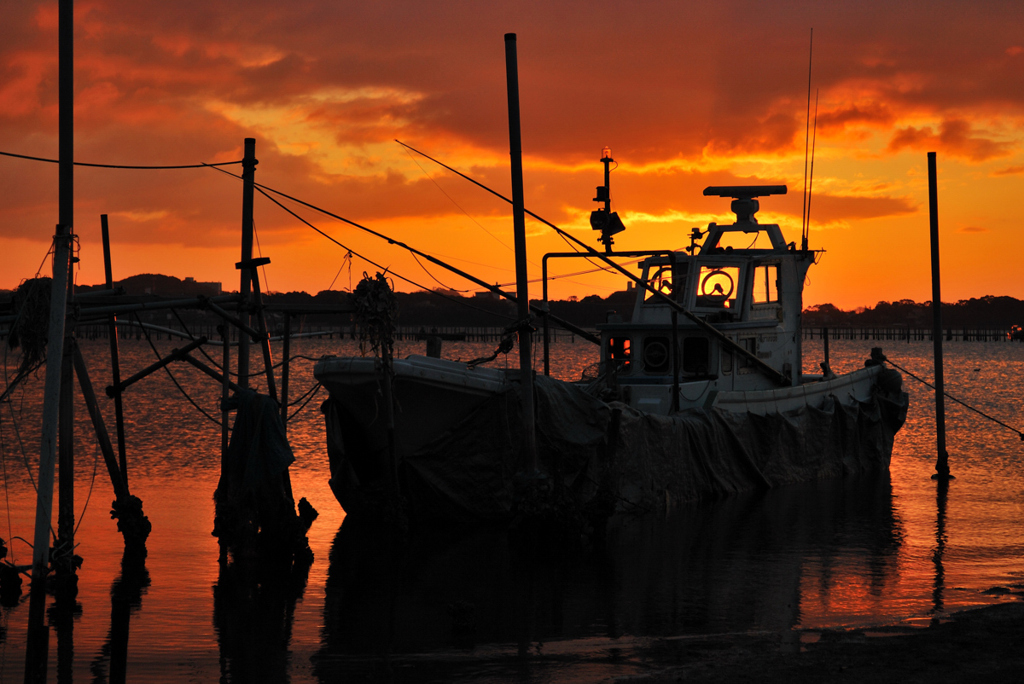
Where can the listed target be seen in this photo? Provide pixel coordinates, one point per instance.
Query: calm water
(814, 556)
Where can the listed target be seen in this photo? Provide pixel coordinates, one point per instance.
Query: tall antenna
(810, 187)
(807, 137)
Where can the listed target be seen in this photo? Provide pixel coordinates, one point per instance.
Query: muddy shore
(981, 645)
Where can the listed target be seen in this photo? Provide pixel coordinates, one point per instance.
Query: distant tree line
(450, 308)
(983, 312)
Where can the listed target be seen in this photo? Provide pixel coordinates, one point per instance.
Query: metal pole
(942, 459)
(245, 282)
(115, 362)
(519, 229)
(546, 327)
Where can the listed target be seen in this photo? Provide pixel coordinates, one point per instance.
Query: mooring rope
(965, 405)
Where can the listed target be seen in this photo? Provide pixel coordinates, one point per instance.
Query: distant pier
(907, 334)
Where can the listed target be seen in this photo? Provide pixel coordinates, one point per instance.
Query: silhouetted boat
(681, 407)
(1016, 333)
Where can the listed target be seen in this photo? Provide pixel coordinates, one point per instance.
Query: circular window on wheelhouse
(656, 355)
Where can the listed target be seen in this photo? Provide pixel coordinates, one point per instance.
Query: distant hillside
(161, 286)
(984, 312)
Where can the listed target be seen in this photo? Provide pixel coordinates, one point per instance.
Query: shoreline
(977, 644)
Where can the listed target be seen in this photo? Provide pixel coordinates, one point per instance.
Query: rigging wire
(171, 375)
(316, 389)
(366, 259)
(92, 485)
(432, 276)
(263, 267)
(122, 166)
(557, 230)
(965, 405)
(479, 225)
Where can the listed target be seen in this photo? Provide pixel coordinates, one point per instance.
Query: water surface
(443, 607)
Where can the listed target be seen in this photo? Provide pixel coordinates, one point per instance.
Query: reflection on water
(735, 565)
(475, 606)
(110, 664)
(941, 492)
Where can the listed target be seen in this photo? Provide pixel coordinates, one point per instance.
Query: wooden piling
(519, 234)
(942, 458)
(115, 362)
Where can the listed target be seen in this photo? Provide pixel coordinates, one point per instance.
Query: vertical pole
(675, 361)
(245, 282)
(547, 309)
(66, 192)
(286, 352)
(942, 459)
(225, 336)
(827, 368)
(519, 229)
(66, 454)
(115, 362)
(35, 651)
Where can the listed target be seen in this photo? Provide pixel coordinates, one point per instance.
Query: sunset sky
(686, 95)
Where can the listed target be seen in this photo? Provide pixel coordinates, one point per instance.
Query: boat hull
(457, 439)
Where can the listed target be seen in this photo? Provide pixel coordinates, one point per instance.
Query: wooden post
(522, 277)
(115, 473)
(286, 352)
(942, 459)
(115, 361)
(51, 404)
(245, 279)
(225, 389)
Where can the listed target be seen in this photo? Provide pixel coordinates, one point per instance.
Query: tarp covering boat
(469, 472)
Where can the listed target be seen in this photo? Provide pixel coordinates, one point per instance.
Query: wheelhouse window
(667, 279)
(766, 284)
(717, 287)
(619, 353)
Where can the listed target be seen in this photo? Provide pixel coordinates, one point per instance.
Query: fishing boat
(699, 393)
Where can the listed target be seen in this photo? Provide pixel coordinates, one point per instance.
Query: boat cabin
(723, 315)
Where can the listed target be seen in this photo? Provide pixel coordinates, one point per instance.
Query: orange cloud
(955, 138)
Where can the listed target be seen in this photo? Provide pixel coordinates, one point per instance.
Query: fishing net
(376, 314)
(32, 307)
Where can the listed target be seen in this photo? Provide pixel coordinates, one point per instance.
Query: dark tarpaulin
(467, 473)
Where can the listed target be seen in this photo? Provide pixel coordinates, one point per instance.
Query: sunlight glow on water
(817, 555)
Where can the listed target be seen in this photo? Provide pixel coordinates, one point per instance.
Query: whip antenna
(807, 138)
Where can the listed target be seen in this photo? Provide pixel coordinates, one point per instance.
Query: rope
(968, 406)
(171, 376)
(120, 166)
(313, 393)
